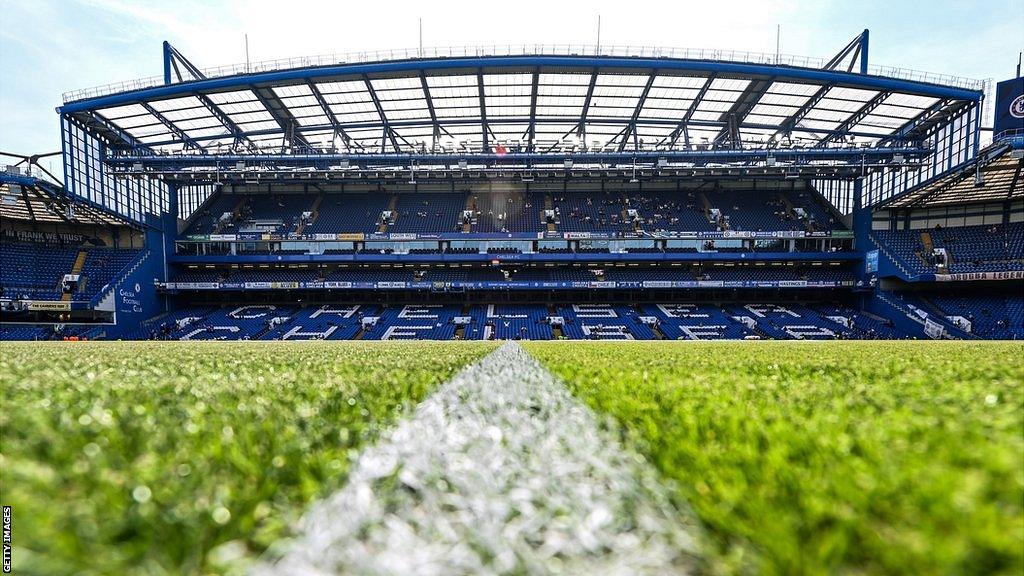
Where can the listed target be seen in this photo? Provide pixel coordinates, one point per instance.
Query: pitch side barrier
(972, 276)
(401, 236)
(511, 285)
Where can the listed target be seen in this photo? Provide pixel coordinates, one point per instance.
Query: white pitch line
(499, 471)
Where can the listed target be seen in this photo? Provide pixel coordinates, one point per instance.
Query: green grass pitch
(167, 458)
(827, 458)
(840, 457)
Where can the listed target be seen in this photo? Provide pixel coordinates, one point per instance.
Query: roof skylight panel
(793, 89)
(348, 97)
(855, 94)
(729, 84)
(508, 80)
(679, 82)
(296, 101)
(450, 81)
(840, 105)
(313, 120)
(402, 83)
(241, 107)
(653, 110)
(466, 111)
(201, 132)
(565, 80)
(187, 114)
(624, 80)
(401, 94)
(712, 105)
(236, 96)
(150, 130)
(454, 92)
(198, 123)
(133, 121)
(706, 116)
(119, 112)
(283, 92)
(818, 125)
(829, 115)
(674, 93)
(177, 104)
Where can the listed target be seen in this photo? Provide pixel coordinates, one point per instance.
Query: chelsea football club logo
(1017, 107)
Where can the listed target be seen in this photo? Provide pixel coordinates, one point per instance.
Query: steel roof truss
(387, 134)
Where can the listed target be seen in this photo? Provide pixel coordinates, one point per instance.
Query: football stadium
(499, 210)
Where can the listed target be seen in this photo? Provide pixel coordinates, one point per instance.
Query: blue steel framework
(88, 177)
(515, 113)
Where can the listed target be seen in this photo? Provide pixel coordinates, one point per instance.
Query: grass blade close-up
(154, 458)
(826, 458)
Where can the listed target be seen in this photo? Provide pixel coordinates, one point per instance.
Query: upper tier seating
(425, 213)
(34, 271)
(984, 248)
(512, 212)
(102, 266)
(589, 212)
(515, 212)
(343, 213)
(205, 220)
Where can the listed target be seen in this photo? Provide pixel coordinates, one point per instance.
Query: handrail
(524, 50)
(121, 275)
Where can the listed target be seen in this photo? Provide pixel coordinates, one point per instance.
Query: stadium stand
(844, 215)
(984, 248)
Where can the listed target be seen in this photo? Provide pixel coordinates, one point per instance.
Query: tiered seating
(102, 265)
(518, 212)
(982, 248)
(247, 322)
(341, 213)
(34, 271)
(199, 276)
(510, 322)
(669, 211)
(273, 276)
(996, 317)
(327, 322)
(603, 322)
(588, 212)
(789, 321)
(553, 275)
(375, 275)
(161, 327)
(462, 275)
(505, 212)
(753, 210)
(205, 221)
(695, 322)
(425, 213)
(415, 322)
(287, 208)
(987, 248)
(10, 332)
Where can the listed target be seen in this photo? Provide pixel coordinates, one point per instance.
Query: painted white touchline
(499, 471)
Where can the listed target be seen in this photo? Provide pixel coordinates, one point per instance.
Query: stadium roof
(31, 195)
(994, 176)
(528, 99)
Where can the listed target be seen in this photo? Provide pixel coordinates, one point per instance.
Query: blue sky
(48, 47)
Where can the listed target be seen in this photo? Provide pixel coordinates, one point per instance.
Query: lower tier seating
(824, 321)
